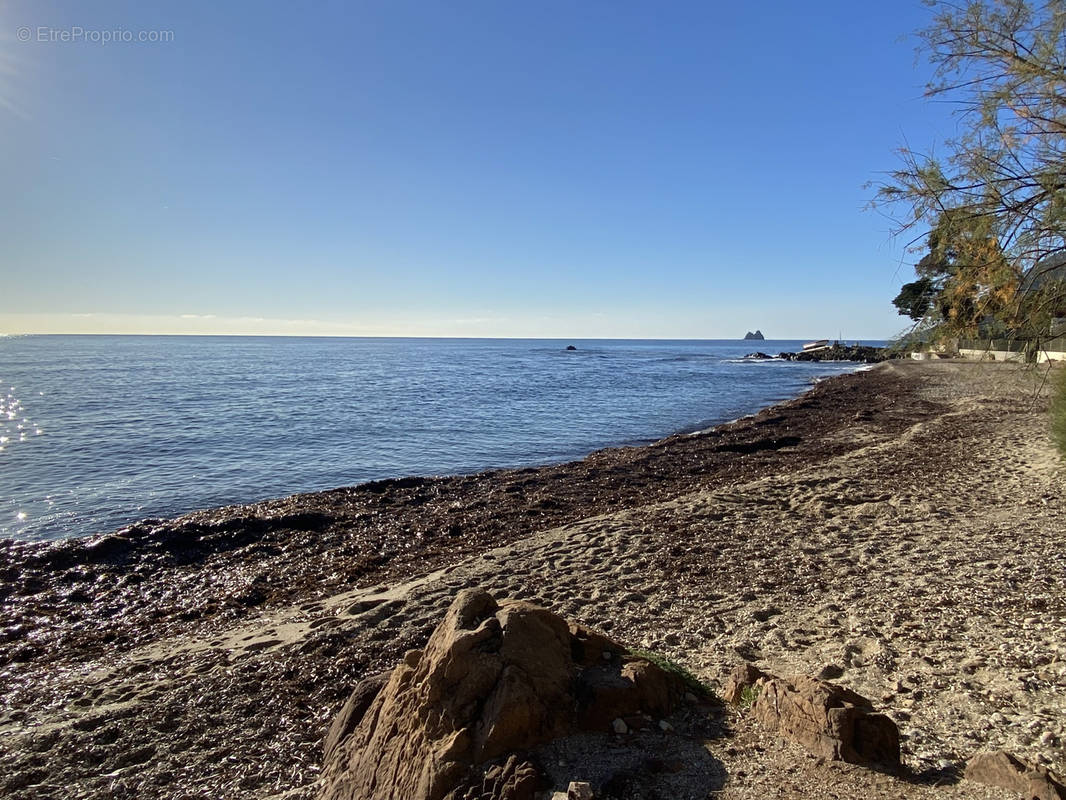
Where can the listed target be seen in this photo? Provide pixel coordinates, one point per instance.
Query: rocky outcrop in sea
(836, 352)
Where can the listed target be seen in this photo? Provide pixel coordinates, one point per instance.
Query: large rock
(829, 720)
(1002, 769)
(494, 681)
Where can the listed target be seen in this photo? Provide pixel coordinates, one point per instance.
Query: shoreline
(137, 663)
(231, 526)
(65, 506)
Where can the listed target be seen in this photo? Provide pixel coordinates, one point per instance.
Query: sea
(97, 432)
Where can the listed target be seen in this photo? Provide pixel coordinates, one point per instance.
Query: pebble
(619, 726)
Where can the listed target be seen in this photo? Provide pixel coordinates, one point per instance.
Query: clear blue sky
(478, 168)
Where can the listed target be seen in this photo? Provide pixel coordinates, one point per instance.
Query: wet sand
(903, 527)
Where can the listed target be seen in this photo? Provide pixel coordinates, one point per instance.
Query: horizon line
(408, 336)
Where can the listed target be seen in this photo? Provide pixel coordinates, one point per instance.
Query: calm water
(99, 431)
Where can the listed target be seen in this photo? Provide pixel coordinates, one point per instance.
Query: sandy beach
(900, 530)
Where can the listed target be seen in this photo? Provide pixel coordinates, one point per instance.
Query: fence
(1024, 350)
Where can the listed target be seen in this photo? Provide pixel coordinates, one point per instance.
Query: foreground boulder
(829, 720)
(1004, 770)
(494, 681)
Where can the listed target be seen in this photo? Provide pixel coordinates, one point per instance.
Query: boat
(818, 344)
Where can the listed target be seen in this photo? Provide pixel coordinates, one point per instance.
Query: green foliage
(748, 695)
(1058, 411)
(915, 299)
(994, 207)
(694, 684)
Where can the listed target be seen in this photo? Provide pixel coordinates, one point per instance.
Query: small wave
(684, 358)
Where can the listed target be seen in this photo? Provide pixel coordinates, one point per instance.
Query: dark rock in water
(841, 352)
(758, 355)
(495, 680)
(570, 347)
(757, 335)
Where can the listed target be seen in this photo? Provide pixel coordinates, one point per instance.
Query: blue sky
(571, 169)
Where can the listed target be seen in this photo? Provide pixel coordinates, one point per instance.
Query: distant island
(757, 335)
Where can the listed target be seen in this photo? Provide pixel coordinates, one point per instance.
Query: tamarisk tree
(992, 211)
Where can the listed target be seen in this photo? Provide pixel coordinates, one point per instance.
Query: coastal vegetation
(1058, 411)
(990, 215)
(690, 681)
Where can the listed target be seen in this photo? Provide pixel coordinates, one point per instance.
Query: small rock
(665, 726)
(619, 726)
(827, 719)
(636, 722)
(579, 790)
(742, 676)
(1004, 770)
(971, 665)
(77, 596)
(763, 614)
(830, 672)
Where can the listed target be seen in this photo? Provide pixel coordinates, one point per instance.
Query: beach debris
(832, 722)
(494, 680)
(1006, 771)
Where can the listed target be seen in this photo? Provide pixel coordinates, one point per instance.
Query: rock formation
(756, 336)
(495, 680)
(841, 352)
(1001, 769)
(829, 720)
